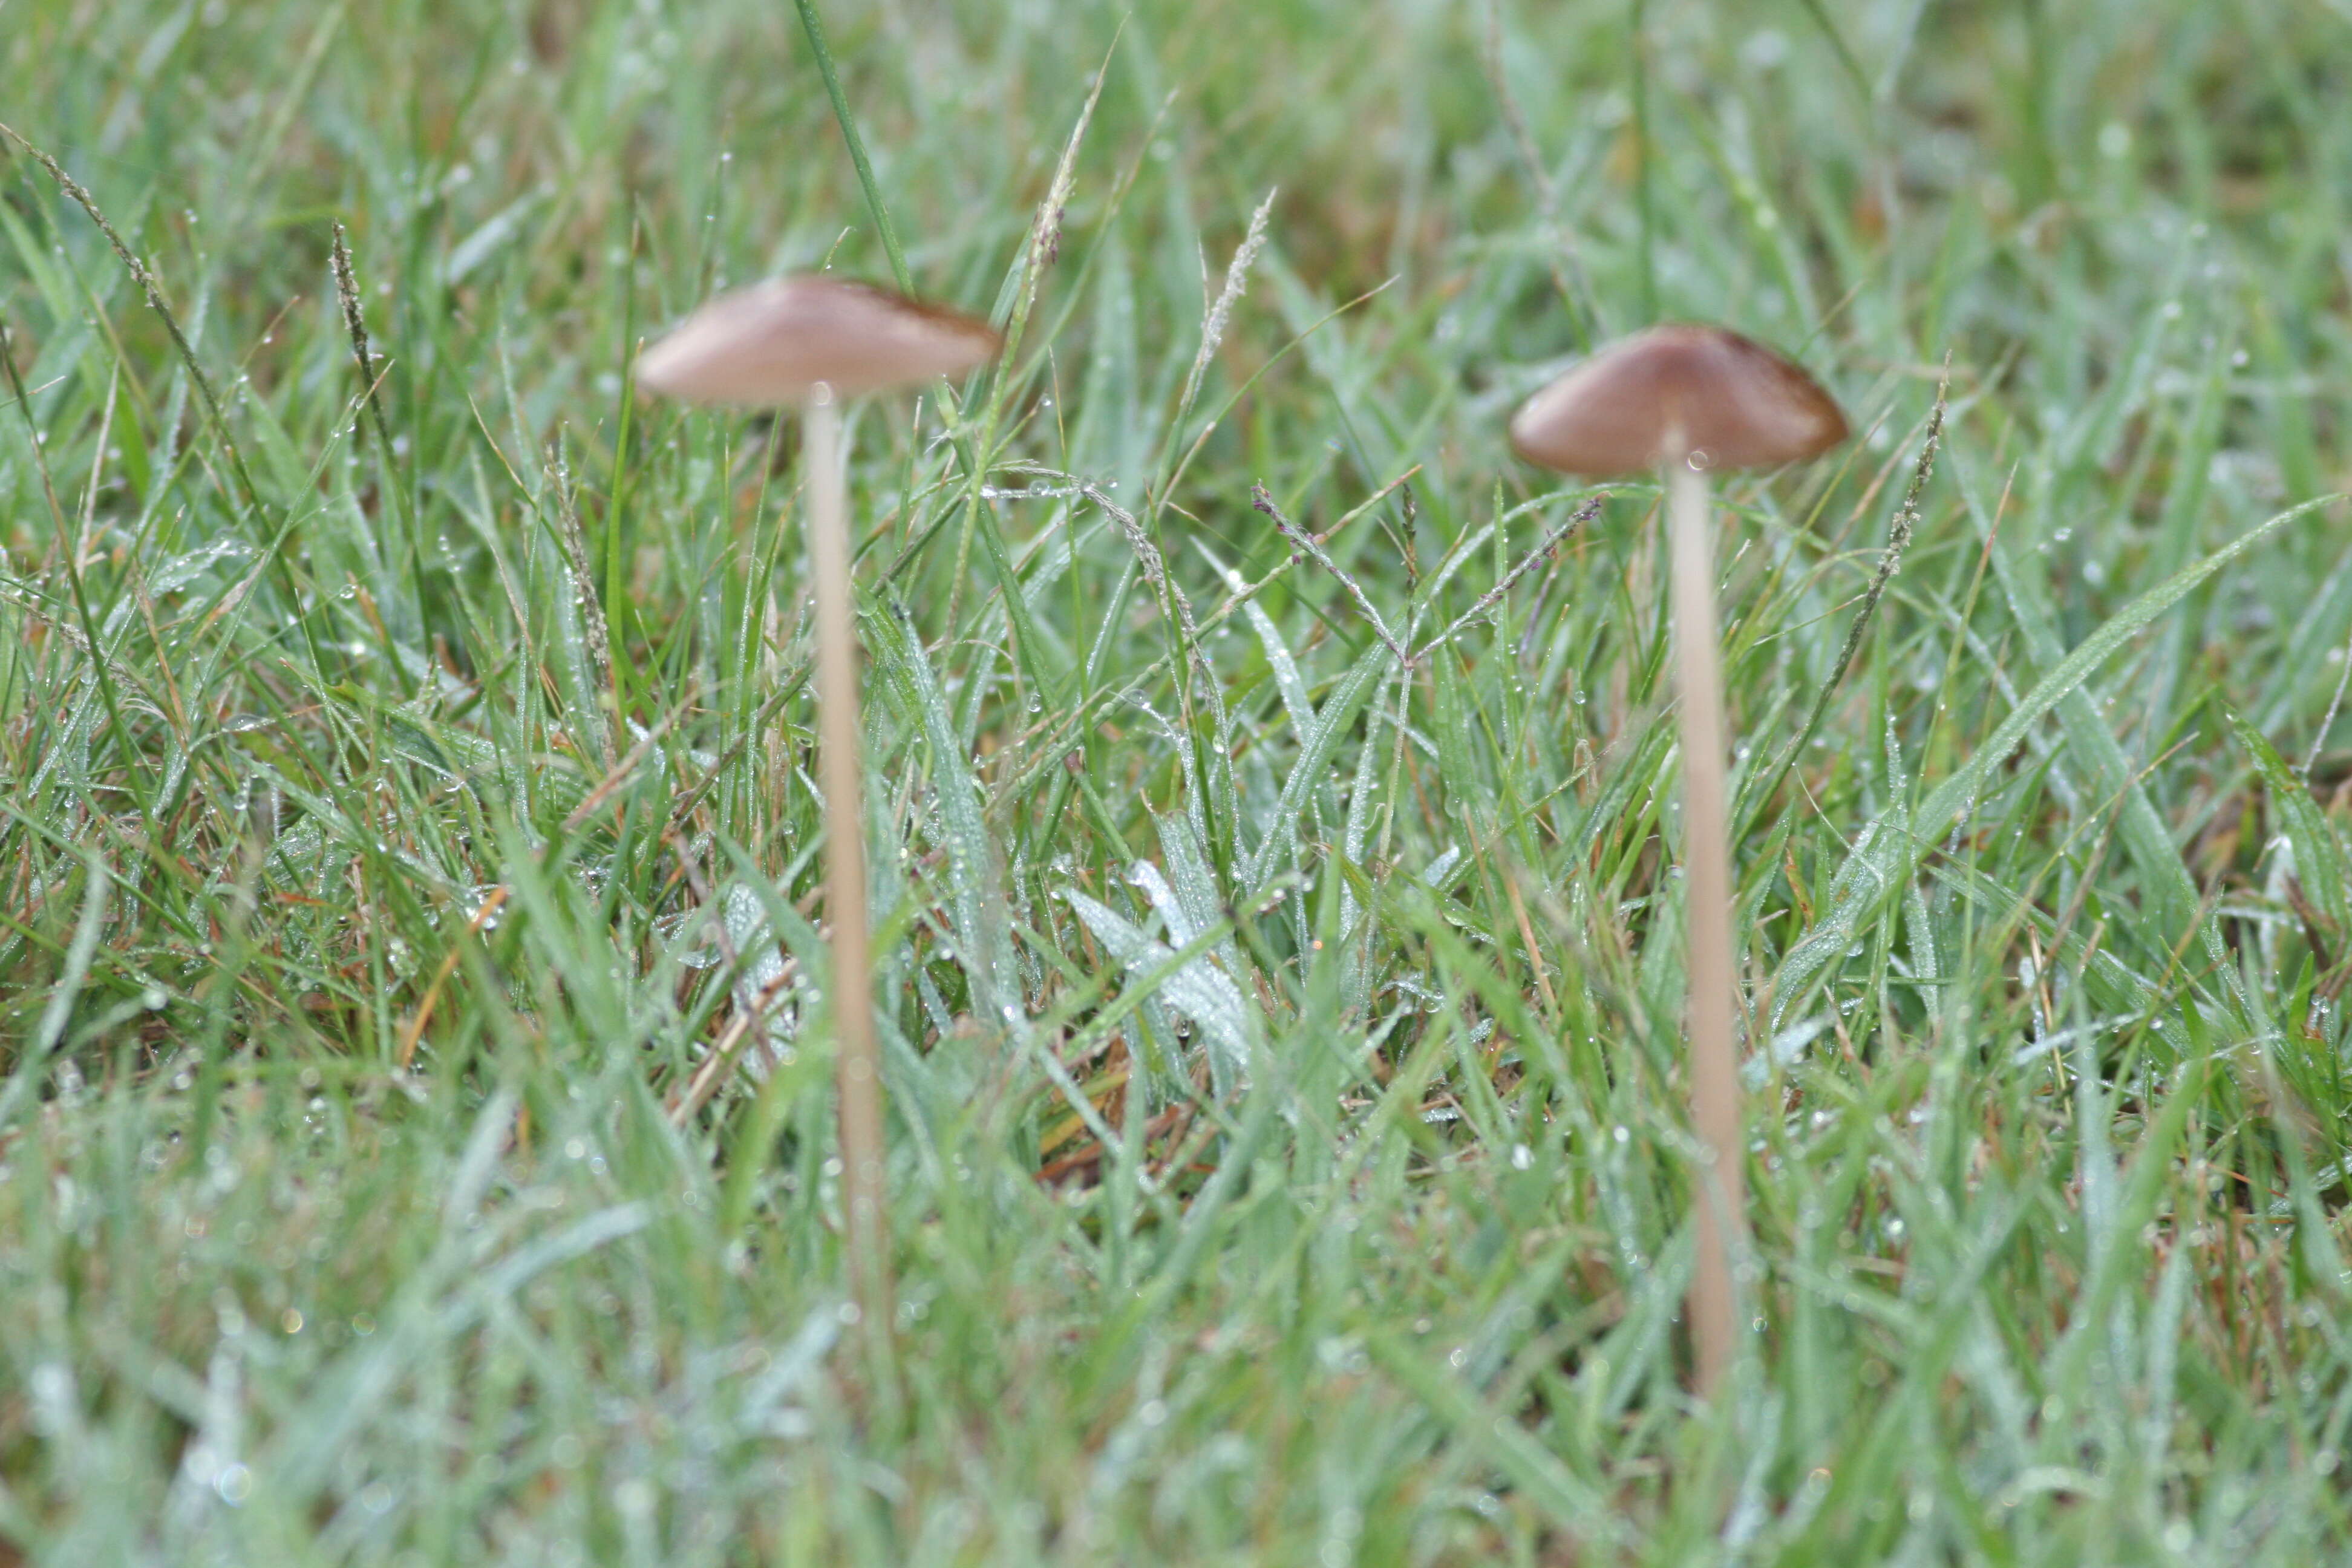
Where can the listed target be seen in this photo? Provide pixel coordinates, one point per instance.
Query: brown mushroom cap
(773, 343)
(1674, 392)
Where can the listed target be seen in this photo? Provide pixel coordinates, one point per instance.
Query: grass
(408, 797)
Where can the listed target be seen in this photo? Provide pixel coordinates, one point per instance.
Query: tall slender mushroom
(806, 342)
(1691, 400)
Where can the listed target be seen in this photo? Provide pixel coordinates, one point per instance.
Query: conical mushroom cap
(773, 343)
(1675, 391)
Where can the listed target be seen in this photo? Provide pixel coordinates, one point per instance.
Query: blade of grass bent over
(1884, 861)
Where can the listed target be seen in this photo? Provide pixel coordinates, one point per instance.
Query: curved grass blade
(1889, 851)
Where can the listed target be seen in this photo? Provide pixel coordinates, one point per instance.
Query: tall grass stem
(891, 250)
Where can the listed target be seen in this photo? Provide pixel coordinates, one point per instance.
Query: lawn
(416, 1115)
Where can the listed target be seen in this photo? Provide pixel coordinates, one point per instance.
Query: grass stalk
(891, 250)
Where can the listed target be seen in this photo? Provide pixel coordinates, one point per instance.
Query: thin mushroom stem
(1707, 948)
(856, 1064)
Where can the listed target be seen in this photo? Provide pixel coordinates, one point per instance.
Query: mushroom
(806, 342)
(1693, 399)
